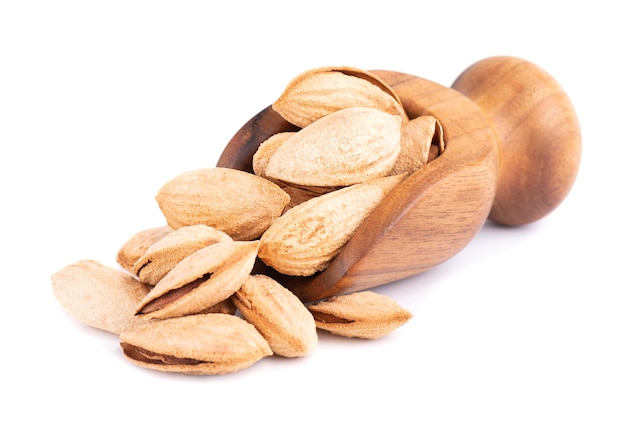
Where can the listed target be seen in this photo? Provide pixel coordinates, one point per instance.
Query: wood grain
(538, 135)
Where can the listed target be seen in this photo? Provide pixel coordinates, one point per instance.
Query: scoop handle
(538, 135)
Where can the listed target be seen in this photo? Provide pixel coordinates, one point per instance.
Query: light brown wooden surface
(427, 219)
(538, 132)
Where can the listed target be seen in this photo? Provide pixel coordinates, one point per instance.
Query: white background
(102, 102)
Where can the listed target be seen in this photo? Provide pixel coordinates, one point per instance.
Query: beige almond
(238, 203)
(278, 314)
(201, 280)
(346, 147)
(138, 244)
(321, 91)
(439, 145)
(307, 237)
(416, 140)
(164, 254)
(202, 344)
(359, 315)
(297, 194)
(266, 150)
(98, 295)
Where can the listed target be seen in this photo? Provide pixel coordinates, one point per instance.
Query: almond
(238, 203)
(346, 147)
(321, 91)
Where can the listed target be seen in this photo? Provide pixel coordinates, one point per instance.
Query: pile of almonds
(186, 298)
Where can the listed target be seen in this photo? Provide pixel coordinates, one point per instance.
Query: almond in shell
(200, 281)
(238, 203)
(346, 147)
(418, 137)
(307, 237)
(138, 244)
(164, 254)
(321, 91)
(363, 314)
(260, 160)
(201, 344)
(98, 295)
(278, 314)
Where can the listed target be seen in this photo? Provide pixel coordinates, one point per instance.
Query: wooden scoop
(436, 211)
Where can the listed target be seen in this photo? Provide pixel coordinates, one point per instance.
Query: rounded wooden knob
(537, 131)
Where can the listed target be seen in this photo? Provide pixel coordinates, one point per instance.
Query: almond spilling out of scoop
(190, 299)
(201, 344)
(279, 315)
(238, 203)
(98, 295)
(363, 314)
